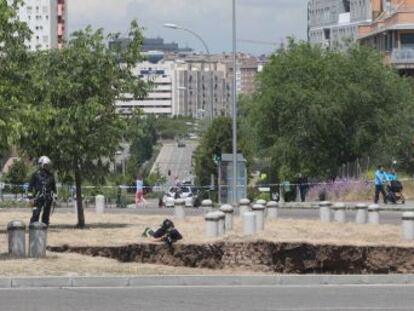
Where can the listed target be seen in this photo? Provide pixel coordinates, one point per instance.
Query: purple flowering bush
(341, 190)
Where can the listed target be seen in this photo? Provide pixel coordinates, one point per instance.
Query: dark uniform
(41, 188)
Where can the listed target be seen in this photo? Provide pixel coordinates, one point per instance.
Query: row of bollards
(365, 214)
(253, 216)
(16, 231)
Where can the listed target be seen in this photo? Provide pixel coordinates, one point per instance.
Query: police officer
(42, 189)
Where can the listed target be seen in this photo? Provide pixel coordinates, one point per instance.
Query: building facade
(334, 23)
(160, 100)
(47, 19)
(392, 33)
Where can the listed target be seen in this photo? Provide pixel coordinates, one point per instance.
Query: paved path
(207, 298)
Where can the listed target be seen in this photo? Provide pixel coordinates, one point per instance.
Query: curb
(195, 280)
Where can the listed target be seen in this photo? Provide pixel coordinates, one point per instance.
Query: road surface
(217, 298)
(175, 159)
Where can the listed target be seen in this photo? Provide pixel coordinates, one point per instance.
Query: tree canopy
(13, 80)
(73, 117)
(315, 110)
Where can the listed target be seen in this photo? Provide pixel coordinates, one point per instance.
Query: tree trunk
(78, 184)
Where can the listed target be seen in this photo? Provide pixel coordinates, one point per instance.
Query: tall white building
(160, 99)
(47, 19)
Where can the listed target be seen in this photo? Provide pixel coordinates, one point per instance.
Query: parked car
(183, 192)
(181, 144)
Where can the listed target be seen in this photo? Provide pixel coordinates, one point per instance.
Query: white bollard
(325, 211)
(188, 202)
(244, 207)
(259, 210)
(228, 210)
(170, 203)
(37, 240)
(361, 213)
(16, 238)
(221, 223)
(339, 212)
(272, 209)
(249, 223)
(262, 202)
(212, 220)
(207, 206)
(99, 204)
(374, 214)
(179, 210)
(407, 226)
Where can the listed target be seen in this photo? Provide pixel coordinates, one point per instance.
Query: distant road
(176, 159)
(207, 298)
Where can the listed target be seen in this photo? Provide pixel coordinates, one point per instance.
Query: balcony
(403, 58)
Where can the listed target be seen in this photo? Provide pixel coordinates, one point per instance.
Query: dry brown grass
(283, 230)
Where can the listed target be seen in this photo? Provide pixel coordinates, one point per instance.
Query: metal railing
(402, 56)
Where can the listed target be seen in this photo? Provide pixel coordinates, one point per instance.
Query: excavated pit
(262, 256)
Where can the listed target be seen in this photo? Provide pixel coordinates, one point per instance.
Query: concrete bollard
(228, 210)
(207, 206)
(179, 210)
(244, 206)
(262, 202)
(212, 220)
(37, 240)
(169, 203)
(249, 223)
(407, 226)
(325, 211)
(339, 212)
(272, 209)
(259, 211)
(188, 202)
(16, 236)
(374, 214)
(99, 204)
(221, 223)
(361, 213)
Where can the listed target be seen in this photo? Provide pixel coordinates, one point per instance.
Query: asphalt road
(217, 298)
(175, 159)
(153, 209)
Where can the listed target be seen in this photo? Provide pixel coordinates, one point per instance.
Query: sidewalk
(215, 280)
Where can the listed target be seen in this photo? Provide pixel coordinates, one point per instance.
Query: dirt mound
(263, 256)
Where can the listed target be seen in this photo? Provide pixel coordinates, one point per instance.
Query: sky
(269, 21)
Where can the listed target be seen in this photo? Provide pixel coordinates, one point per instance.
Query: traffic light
(217, 155)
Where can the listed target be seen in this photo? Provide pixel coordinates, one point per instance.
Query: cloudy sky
(258, 20)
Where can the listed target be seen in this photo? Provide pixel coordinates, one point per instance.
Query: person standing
(303, 186)
(41, 191)
(139, 194)
(381, 179)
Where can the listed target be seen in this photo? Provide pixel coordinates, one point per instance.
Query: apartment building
(160, 100)
(47, 19)
(392, 33)
(334, 23)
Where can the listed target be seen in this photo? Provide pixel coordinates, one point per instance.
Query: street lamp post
(177, 27)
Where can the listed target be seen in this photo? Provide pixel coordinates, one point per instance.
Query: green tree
(315, 110)
(13, 81)
(142, 136)
(17, 175)
(73, 118)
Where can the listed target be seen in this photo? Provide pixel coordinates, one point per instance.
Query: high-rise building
(334, 23)
(47, 19)
(160, 99)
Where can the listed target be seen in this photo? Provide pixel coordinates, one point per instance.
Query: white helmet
(44, 160)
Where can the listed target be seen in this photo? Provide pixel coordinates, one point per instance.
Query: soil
(262, 256)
